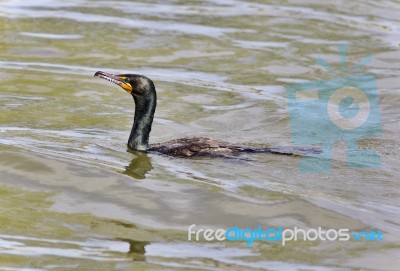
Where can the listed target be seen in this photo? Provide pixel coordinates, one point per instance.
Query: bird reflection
(137, 249)
(139, 166)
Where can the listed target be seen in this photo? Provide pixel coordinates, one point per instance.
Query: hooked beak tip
(97, 73)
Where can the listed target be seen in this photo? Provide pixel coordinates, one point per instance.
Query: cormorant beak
(116, 79)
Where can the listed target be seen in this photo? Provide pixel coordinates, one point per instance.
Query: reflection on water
(90, 249)
(137, 249)
(220, 70)
(139, 166)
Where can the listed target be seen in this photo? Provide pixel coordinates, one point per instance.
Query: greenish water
(73, 198)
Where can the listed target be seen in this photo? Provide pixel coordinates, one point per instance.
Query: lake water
(73, 198)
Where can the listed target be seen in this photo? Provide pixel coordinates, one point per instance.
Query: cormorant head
(134, 84)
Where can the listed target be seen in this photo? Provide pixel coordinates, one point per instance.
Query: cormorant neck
(145, 107)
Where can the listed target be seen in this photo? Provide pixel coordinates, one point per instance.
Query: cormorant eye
(126, 80)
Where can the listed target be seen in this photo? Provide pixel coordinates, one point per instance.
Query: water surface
(73, 198)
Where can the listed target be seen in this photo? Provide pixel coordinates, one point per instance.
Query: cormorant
(144, 94)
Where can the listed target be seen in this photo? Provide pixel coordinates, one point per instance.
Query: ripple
(260, 45)
(221, 254)
(159, 26)
(51, 36)
(92, 249)
(180, 76)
